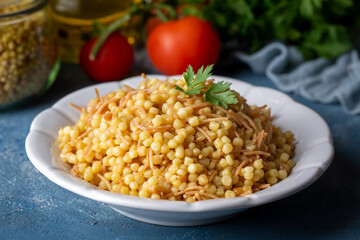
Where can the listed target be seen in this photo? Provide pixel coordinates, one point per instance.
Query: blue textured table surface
(32, 207)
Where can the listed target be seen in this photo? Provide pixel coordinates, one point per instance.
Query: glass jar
(27, 49)
(73, 22)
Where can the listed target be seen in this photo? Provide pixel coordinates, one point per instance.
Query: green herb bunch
(319, 28)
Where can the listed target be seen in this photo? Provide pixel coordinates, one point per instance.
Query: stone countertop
(32, 207)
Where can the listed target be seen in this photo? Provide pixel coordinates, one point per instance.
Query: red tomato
(112, 62)
(172, 46)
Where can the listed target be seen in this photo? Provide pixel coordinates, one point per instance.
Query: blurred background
(110, 40)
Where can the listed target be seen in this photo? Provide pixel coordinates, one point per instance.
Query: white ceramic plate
(314, 152)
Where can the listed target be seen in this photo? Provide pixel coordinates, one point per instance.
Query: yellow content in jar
(26, 54)
(156, 142)
(73, 23)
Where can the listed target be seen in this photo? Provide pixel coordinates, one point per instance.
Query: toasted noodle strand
(188, 99)
(213, 174)
(101, 108)
(205, 133)
(152, 128)
(88, 149)
(200, 105)
(119, 186)
(249, 120)
(122, 137)
(213, 115)
(262, 138)
(236, 132)
(264, 186)
(205, 187)
(242, 164)
(76, 106)
(141, 142)
(142, 109)
(200, 139)
(214, 119)
(197, 194)
(235, 117)
(85, 133)
(188, 189)
(209, 195)
(97, 94)
(173, 112)
(257, 153)
(239, 119)
(125, 100)
(105, 181)
(92, 111)
(151, 157)
(153, 88)
(146, 79)
(182, 192)
(246, 193)
(127, 87)
(147, 162)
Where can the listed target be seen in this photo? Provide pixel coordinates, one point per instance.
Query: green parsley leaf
(194, 90)
(189, 76)
(220, 94)
(179, 88)
(193, 84)
(202, 75)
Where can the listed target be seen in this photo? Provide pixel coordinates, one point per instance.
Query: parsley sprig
(217, 94)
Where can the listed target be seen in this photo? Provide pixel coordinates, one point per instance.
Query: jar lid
(9, 8)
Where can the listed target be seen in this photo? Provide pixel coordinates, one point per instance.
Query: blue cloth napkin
(319, 80)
